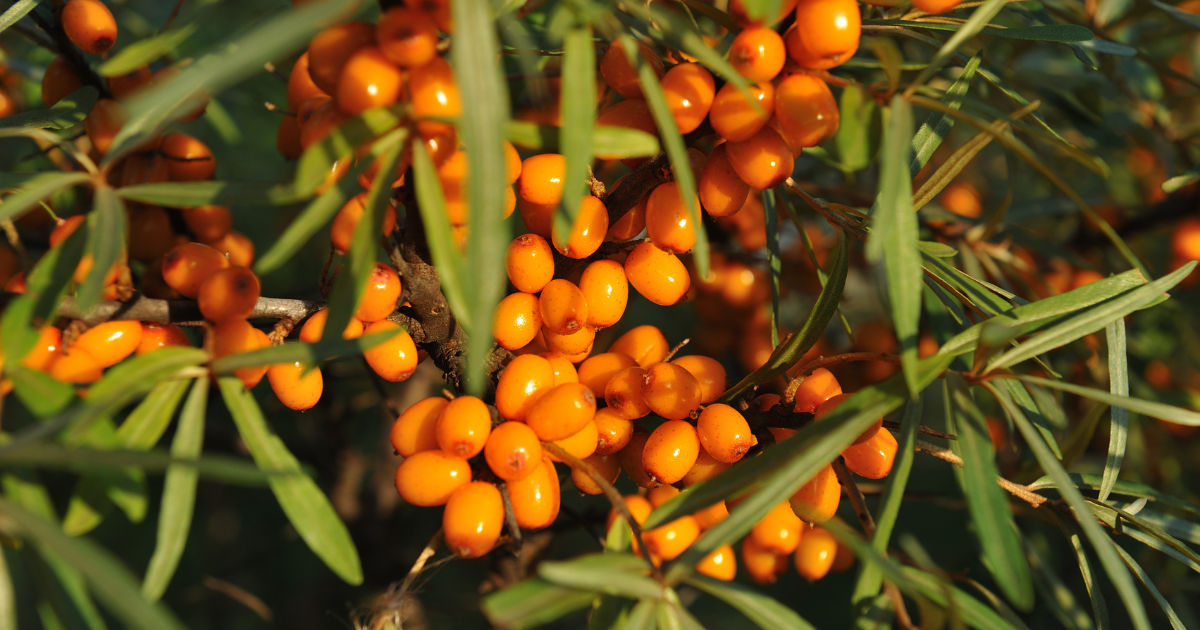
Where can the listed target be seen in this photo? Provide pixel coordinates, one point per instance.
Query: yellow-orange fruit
(668, 222)
(719, 565)
(382, 292)
(529, 262)
(645, 344)
(329, 50)
(817, 501)
(295, 389)
(541, 180)
(722, 192)
(669, 541)
(622, 76)
(74, 367)
(596, 371)
(657, 274)
(564, 372)
(229, 294)
(935, 6)
(513, 451)
(631, 458)
(639, 509)
(535, 497)
(517, 321)
(110, 342)
(473, 519)
(103, 122)
(872, 458)
(523, 380)
(757, 53)
(415, 430)
(430, 478)
(341, 231)
(314, 328)
(705, 468)
(433, 92)
(623, 394)
(187, 159)
(561, 412)
(463, 427)
(287, 138)
(588, 231)
(825, 34)
(406, 37)
(712, 515)
(815, 389)
(606, 291)
(89, 25)
(156, 336)
(300, 86)
(779, 531)
(689, 89)
(208, 223)
(724, 433)
(368, 80)
(538, 218)
(395, 359)
(763, 160)
(234, 337)
(737, 116)
(816, 553)
(58, 81)
(708, 372)
(613, 431)
(806, 110)
(186, 266)
(632, 113)
(661, 494)
(563, 306)
(833, 403)
(582, 444)
(575, 346)
(670, 391)
(670, 451)
(764, 566)
(606, 466)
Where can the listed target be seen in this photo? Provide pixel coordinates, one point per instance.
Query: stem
(510, 519)
(1016, 489)
(846, 478)
(848, 357)
(70, 53)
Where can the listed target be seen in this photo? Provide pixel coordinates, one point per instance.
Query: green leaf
(446, 256)
(763, 610)
(532, 603)
(317, 161)
(8, 598)
(1101, 543)
(146, 424)
(1149, 584)
(1118, 379)
(858, 133)
(310, 354)
(578, 117)
(217, 468)
(894, 238)
(45, 287)
(106, 239)
(147, 50)
(938, 125)
(620, 142)
(1179, 181)
(1123, 488)
(306, 507)
(788, 353)
(1056, 594)
(179, 494)
(614, 574)
(315, 216)
(1183, 16)
(34, 188)
(107, 577)
(962, 34)
(987, 502)
(18, 10)
(1145, 407)
(1025, 402)
(774, 261)
(1095, 593)
(681, 34)
(232, 61)
(196, 194)
(1155, 537)
(1061, 33)
(43, 395)
(642, 617)
(66, 113)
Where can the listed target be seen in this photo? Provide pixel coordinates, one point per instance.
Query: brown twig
(431, 548)
(857, 500)
(510, 519)
(171, 18)
(1016, 489)
(837, 359)
(240, 595)
(835, 218)
(895, 426)
(182, 312)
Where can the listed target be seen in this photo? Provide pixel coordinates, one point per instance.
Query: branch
(70, 53)
(1016, 489)
(183, 312)
(846, 478)
(645, 178)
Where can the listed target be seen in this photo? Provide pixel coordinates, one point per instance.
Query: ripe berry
(429, 478)
(705, 468)
(763, 565)
(779, 531)
(582, 444)
(645, 344)
(639, 509)
(563, 306)
(561, 412)
(712, 515)
(58, 81)
(661, 494)
(724, 433)
(229, 294)
(188, 265)
(631, 459)
(873, 457)
(110, 342)
(670, 451)
(75, 367)
(606, 291)
(150, 234)
(689, 90)
(433, 92)
(463, 427)
(806, 110)
(329, 50)
(588, 231)
(623, 394)
(287, 138)
(535, 498)
(156, 336)
(541, 180)
(613, 431)
(368, 80)
(89, 25)
(415, 430)
(817, 501)
(816, 553)
(187, 159)
(631, 223)
(47, 348)
(734, 115)
(708, 372)
(395, 359)
(318, 117)
(379, 299)
(406, 37)
(300, 84)
(671, 392)
(575, 346)
(473, 519)
(631, 114)
(935, 6)
(606, 466)
(236, 336)
(722, 192)
(815, 389)
(314, 328)
(295, 388)
(513, 451)
(236, 247)
(668, 222)
(102, 124)
(623, 77)
(437, 10)
(126, 84)
(763, 160)
(523, 380)
(829, 405)
(596, 371)
(669, 541)
(564, 372)
(529, 262)
(757, 54)
(517, 321)
(657, 274)
(825, 34)
(208, 223)
(341, 231)
(719, 565)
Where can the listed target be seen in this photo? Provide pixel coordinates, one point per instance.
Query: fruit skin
(815, 389)
(563, 306)
(463, 427)
(156, 336)
(833, 403)
(668, 222)
(187, 159)
(825, 34)
(74, 367)
(433, 92)
(512, 451)
(576, 346)
(314, 328)
(300, 84)
(407, 38)
(382, 292)
(523, 380)
(623, 394)
(329, 50)
(535, 498)
(588, 231)
(620, 75)
(89, 25)
(208, 223)
(430, 478)
(58, 81)
(757, 53)
(705, 468)
(779, 531)
(639, 508)
(415, 429)
(670, 391)
(613, 431)
(606, 290)
(657, 274)
(395, 359)
(473, 519)
(816, 553)
(517, 321)
(630, 458)
(669, 541)
(529, 262)
(712, 515)
(724, 433)
(188, 265)
(873, 457)
(561, 412)
(606, 466)
(633, 113)
(596, 371)
(229, 294)
(722, 192)
(368, 80)
(341, 231)
(295, 389)
(581, 445)
(541, 180)
(689, 89)
(103, 122)
(763, 160)
(764, 566)
(670, 451)
(935, 6)
(817, 500)
(110, 342)
(806, 110)
(735, 117)
(708, 372)
(564, 372)
(645, 344)
(234, 337)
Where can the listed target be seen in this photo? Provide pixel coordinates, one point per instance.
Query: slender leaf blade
(1118, 385)
(106, 240)
(763, 610)
(578, 117)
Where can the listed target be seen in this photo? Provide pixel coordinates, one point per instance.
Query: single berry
(429, 478)
(415, 430)
(473, 519)
(513, 451)
(395, 359)
(296, 385)
(535, 497)
(463, 427)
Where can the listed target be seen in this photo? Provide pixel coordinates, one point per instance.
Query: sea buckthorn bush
(709, 314)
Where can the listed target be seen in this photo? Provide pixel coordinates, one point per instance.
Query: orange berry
(186, 266)
(1185, 239)
(473, 519)
(630, 458)
(708, 372)
(535, 497)
(806, 110)
(561, 412)
(295, 389)
(705, 468)
(58, 81)
(103, 122)
(582, 444)
(763, 161)
(670, 391)
(724, 433)
(689, 90)
(631, 223)
(734, 116)
(236, 247)
(575, 346)
(513, 451)
(631, 114)
(722, 192)
(523, 380)
(668, 222)
(155, 336)
(314, 328)
(661, 494)
(368, 80)
(318, 117)
(843, 559)
(763, 565)
(779, 531)
(287, 138)
(89, 25)
(529, 262)
(187, 159)
(657, 274)
(829, 405)
(815, 389)
(606, 291)
(669, 541)
(110, 342)
(300, 84)
(75, 367)
(596, 371)
(433, 92)
(873, 457)
(126, 84)
(935, 6)
(415, 430)
(719, 565)
(588, 231)
(329, 50)
(383, 290)
(757, 54)
(825, 34)
(564, 372)
(815, 554)
(230, 293)
(712, 515)
(606, 466)
(437, 10)
(538, 218)
(817, 501)
(623, 77)
(430, 478)
(150, 234)
(463, 427)
(541, 180)
(613, 431)
(47, 348)
(395, 359)
(406, 37)
(341, 231)
(645, 344)
(563, 306)
(623, 394)
(670, 451)
(208, 223)
(639, 509)
(236, 336)
(518, 320)
(16, 284)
